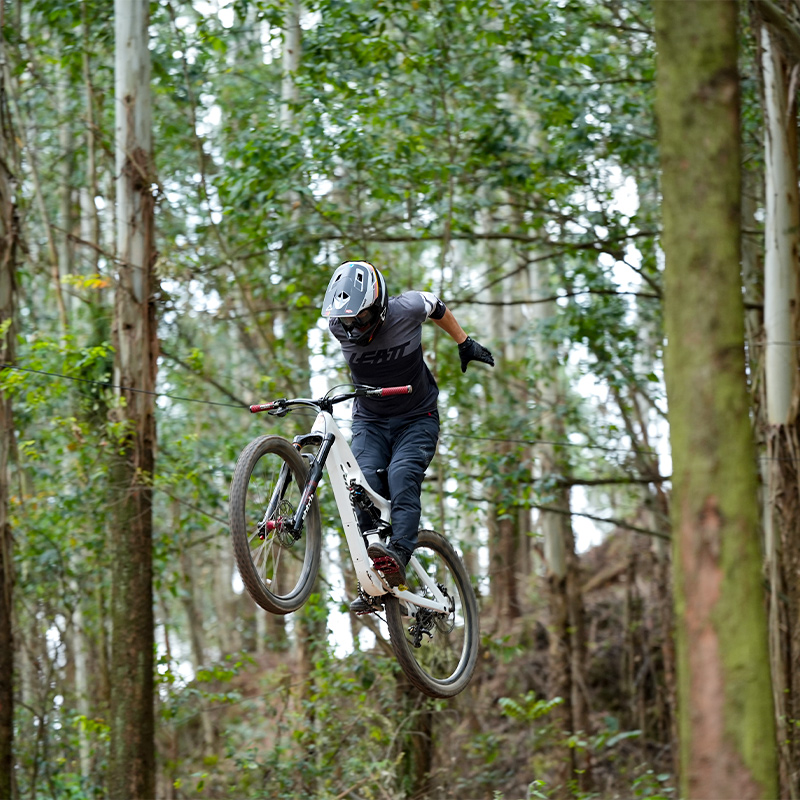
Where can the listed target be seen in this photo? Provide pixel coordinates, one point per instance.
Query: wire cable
(456, 435)
(118, 386)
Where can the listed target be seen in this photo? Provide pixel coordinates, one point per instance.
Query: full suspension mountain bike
(277, 541)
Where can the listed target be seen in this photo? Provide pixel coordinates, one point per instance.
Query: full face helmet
(357, 296)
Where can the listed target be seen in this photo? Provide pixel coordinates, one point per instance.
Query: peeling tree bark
(726, 723)
(132, 763)
(781, 253)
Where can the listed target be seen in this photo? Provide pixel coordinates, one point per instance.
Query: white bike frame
(343, 470)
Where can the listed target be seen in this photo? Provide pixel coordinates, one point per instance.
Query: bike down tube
(342, 468)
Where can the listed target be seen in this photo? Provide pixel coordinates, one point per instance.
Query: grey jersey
(394, 358)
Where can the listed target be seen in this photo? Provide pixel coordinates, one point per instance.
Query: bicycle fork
(312, 482)
(317, 463)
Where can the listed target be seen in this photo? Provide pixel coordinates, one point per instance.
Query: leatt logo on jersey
(383, 356)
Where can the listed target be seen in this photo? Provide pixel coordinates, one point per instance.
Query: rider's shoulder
(412, 302)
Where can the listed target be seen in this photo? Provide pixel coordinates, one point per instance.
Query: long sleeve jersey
(394, 358)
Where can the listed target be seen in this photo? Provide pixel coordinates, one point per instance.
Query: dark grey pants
(403, 448)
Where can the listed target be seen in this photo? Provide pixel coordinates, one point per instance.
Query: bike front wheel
(278, 566)
(437, 651)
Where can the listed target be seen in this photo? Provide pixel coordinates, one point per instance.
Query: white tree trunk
(781, 248)
(552, 525)
(781, 238)
(65, 216)
(134, 140)
(132, 761)
(90, 219)
(291, 63)
(82, 687)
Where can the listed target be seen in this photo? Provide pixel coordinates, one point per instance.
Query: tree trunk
(132, 767)
(8, 241)
(418, 743)
(77, 670)
(657, 512)
(726, 723)
(781, 250)
(310, 622)
(11, 85)
(225, 601)
(89, 210)
(567, 630)
(65, 215)
(504, 528)
(194, 621)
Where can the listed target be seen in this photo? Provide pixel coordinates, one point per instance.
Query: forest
(604, 193)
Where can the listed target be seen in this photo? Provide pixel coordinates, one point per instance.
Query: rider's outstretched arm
(449, 324)
(468, 349)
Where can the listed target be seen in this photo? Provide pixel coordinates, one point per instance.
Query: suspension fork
(312, 481)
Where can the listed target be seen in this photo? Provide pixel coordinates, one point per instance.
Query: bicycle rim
(438, 652)
(277, 569)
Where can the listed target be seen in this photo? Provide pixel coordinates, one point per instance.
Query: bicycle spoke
(261, 558)
(437, 650)
(277, 567)
(276, 561)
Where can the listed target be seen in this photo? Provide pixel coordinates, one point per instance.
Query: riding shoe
(390, 562)
(360, 606)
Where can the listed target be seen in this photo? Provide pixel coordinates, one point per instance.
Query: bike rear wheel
(277, 569)
(437, 652)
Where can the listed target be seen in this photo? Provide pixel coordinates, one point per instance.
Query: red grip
(261, 407)
(390, 390)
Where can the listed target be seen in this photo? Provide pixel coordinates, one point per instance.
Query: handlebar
(282, 405)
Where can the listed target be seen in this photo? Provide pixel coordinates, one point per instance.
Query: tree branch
(611, 520)
(782, 24)
(552, 298)
(218, 386)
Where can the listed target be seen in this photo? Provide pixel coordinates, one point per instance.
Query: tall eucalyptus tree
(8, 333)
(408, 146)
(726, 724)
(132, 768)
(780, 411)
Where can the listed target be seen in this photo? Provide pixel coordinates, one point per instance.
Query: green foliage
(528, 707)
(448, 142)
(653, 786)
(336, 734)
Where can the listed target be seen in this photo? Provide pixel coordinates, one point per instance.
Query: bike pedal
(387, 565)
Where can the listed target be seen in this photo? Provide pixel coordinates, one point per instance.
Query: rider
(393, 438)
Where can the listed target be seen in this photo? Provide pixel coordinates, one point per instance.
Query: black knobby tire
(277, 570)
(437, 652)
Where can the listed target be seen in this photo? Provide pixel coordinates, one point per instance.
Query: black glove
(470, 350)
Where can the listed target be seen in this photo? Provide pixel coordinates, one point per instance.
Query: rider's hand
(470, 350)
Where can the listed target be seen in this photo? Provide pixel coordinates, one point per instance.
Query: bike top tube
(283, 406)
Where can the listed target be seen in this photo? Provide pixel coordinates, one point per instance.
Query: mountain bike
(277, 542)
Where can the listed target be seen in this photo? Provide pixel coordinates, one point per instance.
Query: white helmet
(357, 296)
